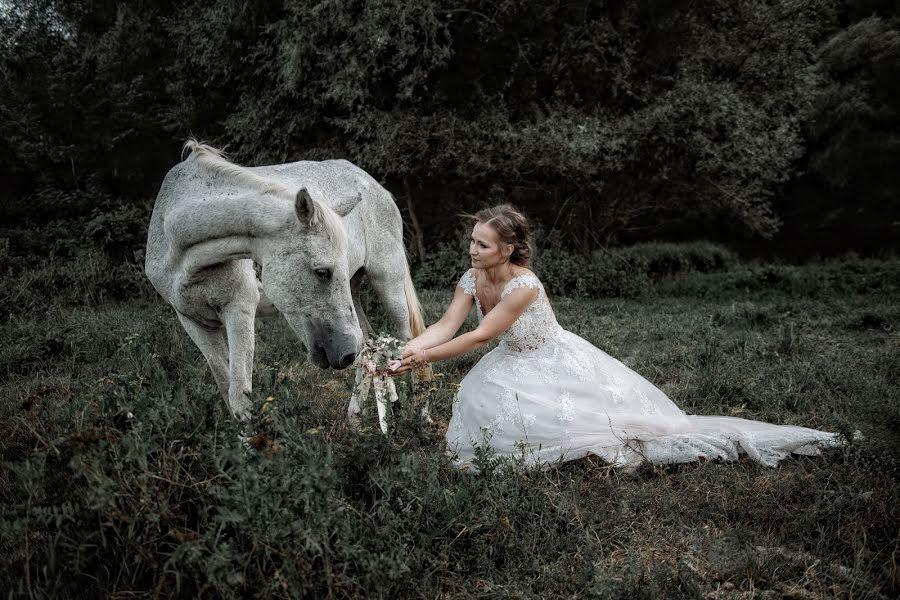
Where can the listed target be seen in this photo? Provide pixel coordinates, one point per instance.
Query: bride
(548, 395)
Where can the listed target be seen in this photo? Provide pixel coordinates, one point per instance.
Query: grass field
(122, 475)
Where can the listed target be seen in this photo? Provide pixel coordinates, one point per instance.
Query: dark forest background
(769, 126)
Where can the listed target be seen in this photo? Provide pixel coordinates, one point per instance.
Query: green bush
(565, 273)
(443, 266)
(155, 480)
(616, 272)
(88, 277)
(660, 259)
(118, 230)
(31, 244)
(848, 275)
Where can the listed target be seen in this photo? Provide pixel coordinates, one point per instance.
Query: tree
(614, 121)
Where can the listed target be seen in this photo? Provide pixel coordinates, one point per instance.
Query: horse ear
(305, 207)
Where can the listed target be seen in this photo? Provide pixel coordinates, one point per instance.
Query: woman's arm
(496, 322)
(448, 325)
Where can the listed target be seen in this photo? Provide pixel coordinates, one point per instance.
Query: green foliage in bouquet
(380, 352)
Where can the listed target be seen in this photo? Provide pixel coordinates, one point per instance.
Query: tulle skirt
(568, 399)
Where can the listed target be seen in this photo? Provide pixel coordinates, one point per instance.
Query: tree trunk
(414, 221)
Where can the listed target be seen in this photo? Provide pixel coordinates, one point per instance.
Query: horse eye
(324, 274)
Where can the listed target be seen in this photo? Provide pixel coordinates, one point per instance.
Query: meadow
(124, 477)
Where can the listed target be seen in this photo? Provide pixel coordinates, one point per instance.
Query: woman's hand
(412, 358)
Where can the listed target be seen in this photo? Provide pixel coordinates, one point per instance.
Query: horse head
(305, 274)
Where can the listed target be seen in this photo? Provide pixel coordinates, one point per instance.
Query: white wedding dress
(546, 395)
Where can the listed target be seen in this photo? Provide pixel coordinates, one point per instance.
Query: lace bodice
(535, 327)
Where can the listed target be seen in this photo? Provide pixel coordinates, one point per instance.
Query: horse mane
(325, 217)
(214, 160)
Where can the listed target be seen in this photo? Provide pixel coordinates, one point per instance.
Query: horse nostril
(346, 361)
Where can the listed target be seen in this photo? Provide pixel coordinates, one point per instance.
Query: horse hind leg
(389, 289)
(214, 347)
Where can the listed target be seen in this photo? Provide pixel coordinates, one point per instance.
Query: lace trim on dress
(467, 282)
(510, 414)
(566, 410)
(523, 280)
(537, 326)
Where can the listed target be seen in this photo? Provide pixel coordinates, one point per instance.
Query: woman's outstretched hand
(412, 358)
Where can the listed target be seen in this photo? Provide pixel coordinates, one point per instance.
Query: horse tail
(416, 326)
(416, 320)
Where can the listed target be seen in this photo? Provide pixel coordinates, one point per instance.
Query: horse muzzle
(335, 353)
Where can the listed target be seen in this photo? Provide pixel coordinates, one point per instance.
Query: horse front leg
(214, 347)
(239, 327)
(265, 307)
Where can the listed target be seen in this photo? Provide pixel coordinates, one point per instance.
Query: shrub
(849, 275)
(118, 230)
(660, 259)
(565, 273)
(4, 255)
(617, 272)
(443, 266)
(89, 277)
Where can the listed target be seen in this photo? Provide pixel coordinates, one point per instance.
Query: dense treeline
(609, 121)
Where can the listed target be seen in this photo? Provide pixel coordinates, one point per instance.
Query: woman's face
(485, 248)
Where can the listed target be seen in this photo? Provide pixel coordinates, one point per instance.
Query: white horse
(315, 228)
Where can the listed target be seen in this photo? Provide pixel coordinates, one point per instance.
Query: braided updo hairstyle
(512, 227)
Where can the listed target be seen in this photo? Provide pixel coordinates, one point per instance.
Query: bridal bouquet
(379, 355)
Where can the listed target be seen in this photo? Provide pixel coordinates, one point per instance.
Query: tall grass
(123, 476)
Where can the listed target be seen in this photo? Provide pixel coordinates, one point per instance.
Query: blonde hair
(512, 227)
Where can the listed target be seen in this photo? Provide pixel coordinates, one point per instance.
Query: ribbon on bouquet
(369, 376)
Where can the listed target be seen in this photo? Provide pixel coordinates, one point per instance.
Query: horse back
(367, 209)
(339, 184)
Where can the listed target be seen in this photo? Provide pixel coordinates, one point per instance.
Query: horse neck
(229, 228)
